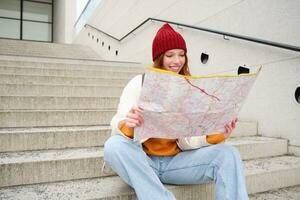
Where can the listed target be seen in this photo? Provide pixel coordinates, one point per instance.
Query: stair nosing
(62, 151)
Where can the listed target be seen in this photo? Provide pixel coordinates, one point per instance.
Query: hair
(158, 63)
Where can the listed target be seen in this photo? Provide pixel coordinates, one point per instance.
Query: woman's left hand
(229, 128)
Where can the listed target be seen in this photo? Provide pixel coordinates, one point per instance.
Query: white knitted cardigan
(129, 99)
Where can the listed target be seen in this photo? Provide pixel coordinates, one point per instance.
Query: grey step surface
(73, 61)
(46, 118)
(244, 129)
(57, 103)
(262, 146)
(289, 193)
(60, 80)
(68, 164)
(66, 72)
(27, 48)
(26, 139)
(102, 66)
(261, 175)
(60, 90)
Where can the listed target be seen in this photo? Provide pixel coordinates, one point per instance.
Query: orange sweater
(165, 147)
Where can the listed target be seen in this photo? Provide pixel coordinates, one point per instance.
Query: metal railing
(224, 34)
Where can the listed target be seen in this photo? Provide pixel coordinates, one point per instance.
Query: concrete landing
(290, 193)
(277, 172)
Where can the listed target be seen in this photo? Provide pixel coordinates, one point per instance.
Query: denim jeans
(146, 174)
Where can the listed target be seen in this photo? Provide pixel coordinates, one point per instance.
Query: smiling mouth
(174, 68)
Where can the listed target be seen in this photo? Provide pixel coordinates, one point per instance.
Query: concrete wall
(64, 20)
(271, 101)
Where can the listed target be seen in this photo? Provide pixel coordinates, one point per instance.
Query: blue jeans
(146, 174)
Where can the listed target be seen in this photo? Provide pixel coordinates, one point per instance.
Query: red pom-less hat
(166, 39)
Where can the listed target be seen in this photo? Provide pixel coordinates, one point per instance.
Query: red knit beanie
(166, 39)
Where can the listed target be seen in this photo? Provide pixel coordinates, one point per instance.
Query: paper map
(181, 106)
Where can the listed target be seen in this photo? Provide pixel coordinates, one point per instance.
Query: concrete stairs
(56, 105)
(279, 194)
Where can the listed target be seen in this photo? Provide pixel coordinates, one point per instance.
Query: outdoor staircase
(56, 102)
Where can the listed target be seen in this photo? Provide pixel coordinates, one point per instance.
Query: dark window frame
(37, 21)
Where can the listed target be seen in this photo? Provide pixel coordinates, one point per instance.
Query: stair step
(68, 164)
(287, 168)
(60, 90)
(56, 103)
(262, 144)
(245, 128)
(26, 139)
(69, 61)
(60, 80)
(261, 175)
(49, 166)
(27, 48)
(66, 72)
(287, 193)
(46, 118)
(102, 66)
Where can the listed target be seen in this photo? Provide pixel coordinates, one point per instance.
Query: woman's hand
(134, 117)
(229, 128)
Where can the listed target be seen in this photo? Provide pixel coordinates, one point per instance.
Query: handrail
(251, 39)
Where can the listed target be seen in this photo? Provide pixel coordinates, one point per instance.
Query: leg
(220, 163)
(131, 163)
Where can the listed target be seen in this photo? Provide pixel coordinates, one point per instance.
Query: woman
(194, 160)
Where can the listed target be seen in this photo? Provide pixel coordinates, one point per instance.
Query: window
(10, 15)
(297, 95)
(26, 19)
(204, 58)
(37, 11)
(9, 28)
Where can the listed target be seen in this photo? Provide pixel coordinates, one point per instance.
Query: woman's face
(174, 60)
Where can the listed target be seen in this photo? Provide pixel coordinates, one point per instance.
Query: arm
(196, 142)
(133, 119)
(128, 100)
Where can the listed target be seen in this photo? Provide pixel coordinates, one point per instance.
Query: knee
(113, 146)
(229, 151)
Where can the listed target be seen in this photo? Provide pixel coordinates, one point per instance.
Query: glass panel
(80, 5)
(10, 8)
(91, 7)
(9, 28)
(37, 11)
(37, 31)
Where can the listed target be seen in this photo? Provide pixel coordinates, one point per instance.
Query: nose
(176, 59)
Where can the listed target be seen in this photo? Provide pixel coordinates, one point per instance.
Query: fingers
(138, 109)
(134, 117)
(132, 123)
(233, 123)
(227, 131)
(228, 128)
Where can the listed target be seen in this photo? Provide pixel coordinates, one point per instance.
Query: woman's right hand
(134, 117)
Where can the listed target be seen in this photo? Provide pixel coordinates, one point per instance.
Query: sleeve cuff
(126, 131)
(215, 138)
(190, 143)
